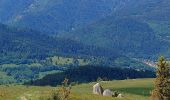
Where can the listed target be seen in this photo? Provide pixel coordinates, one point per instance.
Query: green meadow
(133, 89)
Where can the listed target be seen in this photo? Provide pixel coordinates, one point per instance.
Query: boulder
(108, 92)
(120, 96)
(97, 89)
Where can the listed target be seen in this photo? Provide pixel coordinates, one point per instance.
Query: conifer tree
(162, 83)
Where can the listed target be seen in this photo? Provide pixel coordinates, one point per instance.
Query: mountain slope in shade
(139, 28)
(146, 22)
(18, 44)
(129, 36)
(10, 8)
(54, 16)
(153, 12)
(28, 54)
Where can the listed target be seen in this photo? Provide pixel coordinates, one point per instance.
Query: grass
(138, 89)
(43, 74)
(132, 89)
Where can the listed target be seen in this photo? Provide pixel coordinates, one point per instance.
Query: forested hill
(136, 28)
(131, 37)
(54, 16)
(148, 10)
(39, 37)
(155, 13)
(27, 54)
(111, 24)
(91, 73)
(18, 45)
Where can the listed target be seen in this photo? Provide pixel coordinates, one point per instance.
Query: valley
(25, 56)
(112, 42)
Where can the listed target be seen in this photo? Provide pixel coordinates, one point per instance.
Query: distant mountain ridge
(55, 16)
(64, 15)
(144, 24)
(137, 28)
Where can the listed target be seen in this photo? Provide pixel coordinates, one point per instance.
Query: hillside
(20, 44)
(128, 36)
(153, 12)
(136, 28)
(28, 54)
(113, 33)
(49, 46)
(63, 15)
(86, 74)
(24, 54)
(53, 16)
(103, 25)
(131, 89)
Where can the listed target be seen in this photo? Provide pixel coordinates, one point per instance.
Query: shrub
(63, 93)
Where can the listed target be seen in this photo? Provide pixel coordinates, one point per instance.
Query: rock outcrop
(97, 89)
(108, 92)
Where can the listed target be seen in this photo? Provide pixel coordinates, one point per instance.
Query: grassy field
(138, 89)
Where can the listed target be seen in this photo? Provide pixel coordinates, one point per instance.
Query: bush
(63, 93)
(55, 95)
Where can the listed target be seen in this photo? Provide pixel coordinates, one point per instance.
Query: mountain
(39, 37)
(24, 45)
(137, 29)
(9, 8)
(54, 16)
(102, 25)
(28, 54)
(145, 9)
(128, 36)
(153, 12)
(25, 54)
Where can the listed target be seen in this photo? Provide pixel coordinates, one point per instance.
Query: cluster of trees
(26, 73)
(91, 73)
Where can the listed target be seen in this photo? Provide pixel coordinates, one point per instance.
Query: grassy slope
(132, 90)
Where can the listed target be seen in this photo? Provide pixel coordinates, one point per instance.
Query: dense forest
(92, 73)
(24, 46)
(128, 36)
